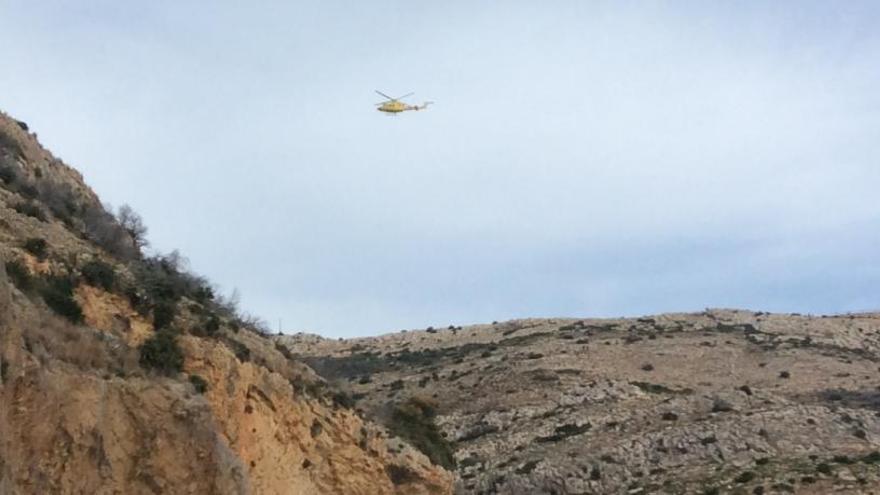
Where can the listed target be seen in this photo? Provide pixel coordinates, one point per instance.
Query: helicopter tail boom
(422, 106)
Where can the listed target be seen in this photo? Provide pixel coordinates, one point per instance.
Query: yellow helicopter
(394, 106)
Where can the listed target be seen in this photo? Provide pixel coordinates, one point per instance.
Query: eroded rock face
(290, 440)
(731, 400)
(80, 414)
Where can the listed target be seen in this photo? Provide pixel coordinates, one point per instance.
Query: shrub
(204, 294)
(20, 276)
(10, 143)
(161, 353)
(198, 383)
(341, 398)
(212, 326)
(400, 474)
(28, 190)
(30, 209)
(132, 223)
(101, 228)
(99, 274)
(241, 351)
(745, 477)
(8, 174)
(37, 247)
(59, 198)
(58, 294)
(164, 279)
(413, 421)
(283, 350)
(316, 428)
(163, 315)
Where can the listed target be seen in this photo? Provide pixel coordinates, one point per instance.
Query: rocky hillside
(716, 402)
(123, 373)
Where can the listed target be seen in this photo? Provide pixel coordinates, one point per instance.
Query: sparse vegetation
(198, 383)
(133, 225)
(565, 431)
(99, 274)
(341, 398)
(37, 247)
(400, 475)
(19, 275)
(57, 291)
(162, 353)
(721, 405)
(745, 477)
(241, 351)
(413, 420)
(316, 428)
(30, 209)
(163, 314)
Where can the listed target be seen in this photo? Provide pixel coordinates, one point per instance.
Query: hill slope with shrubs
(722, 401)
(123, 372)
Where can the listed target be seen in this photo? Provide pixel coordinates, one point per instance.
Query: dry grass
(53, 338)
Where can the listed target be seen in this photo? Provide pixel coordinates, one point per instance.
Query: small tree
(134, 225)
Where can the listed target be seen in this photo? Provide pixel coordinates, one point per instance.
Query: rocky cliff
(123, 373)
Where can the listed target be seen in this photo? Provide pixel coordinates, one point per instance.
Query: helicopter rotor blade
(404, 96)
(383, 94)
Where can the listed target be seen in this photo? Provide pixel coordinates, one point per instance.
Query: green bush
(58, 294)
(37, 247)
(20, 276)
(413, 421)
(161, 353)
(400, 474)
(198, 383)
(99, 274)
(8, 174)
(28, 191)
(241, 351)
(341, 398)
(204, 294)
(30, 209)
(212, 326)
(163, 315)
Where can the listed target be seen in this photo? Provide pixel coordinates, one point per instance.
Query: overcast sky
(582, 158)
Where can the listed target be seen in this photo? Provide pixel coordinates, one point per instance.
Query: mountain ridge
(719, 401)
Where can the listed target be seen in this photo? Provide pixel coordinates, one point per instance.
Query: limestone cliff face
(296, 444)
(79, 413)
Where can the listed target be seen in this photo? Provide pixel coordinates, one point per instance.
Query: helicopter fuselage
(393, 107)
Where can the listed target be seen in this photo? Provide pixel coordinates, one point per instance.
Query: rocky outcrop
(288, 439)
